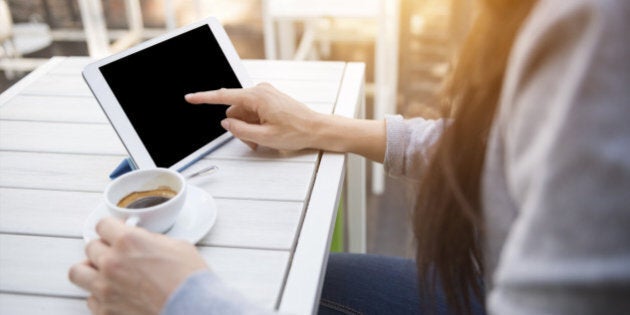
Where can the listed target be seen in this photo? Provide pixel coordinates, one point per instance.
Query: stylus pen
(204, 171)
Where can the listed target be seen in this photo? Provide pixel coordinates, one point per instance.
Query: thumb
(244, 131)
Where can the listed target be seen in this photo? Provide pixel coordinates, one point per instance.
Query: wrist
(319, 135)
(341, 134)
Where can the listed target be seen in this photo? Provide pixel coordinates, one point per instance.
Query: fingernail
(225, 124)
(188, 95)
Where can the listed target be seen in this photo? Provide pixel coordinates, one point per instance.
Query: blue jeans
(373, 284)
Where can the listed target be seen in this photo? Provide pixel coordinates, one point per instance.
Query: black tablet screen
(150, 86)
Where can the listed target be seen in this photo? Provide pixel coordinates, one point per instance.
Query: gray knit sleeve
(567, 161)
(409, 145)
(204, 293)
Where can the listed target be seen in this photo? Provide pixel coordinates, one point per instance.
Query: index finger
(222, 96)
(111, 229)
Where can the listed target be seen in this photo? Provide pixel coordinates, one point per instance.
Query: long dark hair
(447, 217)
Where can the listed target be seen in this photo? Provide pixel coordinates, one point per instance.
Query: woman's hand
(263, 115)
(132, 271)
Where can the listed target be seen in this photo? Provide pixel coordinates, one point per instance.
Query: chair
(20, 39)
(6, 24)
(95, 28)
(280, 17)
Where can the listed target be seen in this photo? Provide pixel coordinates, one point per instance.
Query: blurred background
(407, 46)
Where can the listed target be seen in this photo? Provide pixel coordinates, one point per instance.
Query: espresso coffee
(147, 198)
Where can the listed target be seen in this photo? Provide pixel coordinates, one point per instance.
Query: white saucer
(194, 221)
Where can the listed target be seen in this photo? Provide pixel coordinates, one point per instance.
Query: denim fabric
(373, 284)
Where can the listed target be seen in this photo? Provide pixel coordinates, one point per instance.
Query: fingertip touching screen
(150, 86)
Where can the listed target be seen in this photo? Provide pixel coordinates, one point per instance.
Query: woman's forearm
(359, 136)
(262, 115)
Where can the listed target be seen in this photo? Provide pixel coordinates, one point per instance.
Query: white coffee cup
(157, 218)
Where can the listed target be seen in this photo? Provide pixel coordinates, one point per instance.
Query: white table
(276, 210)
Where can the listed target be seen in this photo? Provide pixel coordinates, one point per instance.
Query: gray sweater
(556, 182)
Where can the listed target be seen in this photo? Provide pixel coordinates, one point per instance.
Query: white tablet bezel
(116, 115)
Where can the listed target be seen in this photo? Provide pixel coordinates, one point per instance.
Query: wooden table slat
(236, 149)
(59, 138)
(53, 137)
(34, 75)
(307, 91)
(256, 224)
(52, 108)
(41, 305)
(275, 180)
(71, 66)
(281, 180)
(58, 85)
(240, 223)
(295, 70)
(23, 272)
(56, 171)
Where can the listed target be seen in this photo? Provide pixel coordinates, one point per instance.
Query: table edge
(28, 79)
(303, 286)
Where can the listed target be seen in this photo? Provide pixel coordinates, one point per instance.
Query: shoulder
(563, 44)
(557, 23)
(549, 12)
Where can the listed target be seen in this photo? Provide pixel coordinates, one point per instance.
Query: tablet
(141, 90)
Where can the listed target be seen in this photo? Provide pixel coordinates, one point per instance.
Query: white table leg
(135, 25)
(385, 75)
(307, 42)
(286, 39)
(94, 27)
(169, 15)
(356, 199)
(199, 10)
(355, 203)
(269, 32)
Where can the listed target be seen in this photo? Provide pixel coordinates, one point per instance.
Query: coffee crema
(147, 198)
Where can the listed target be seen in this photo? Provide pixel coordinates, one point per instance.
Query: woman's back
(557, 171)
